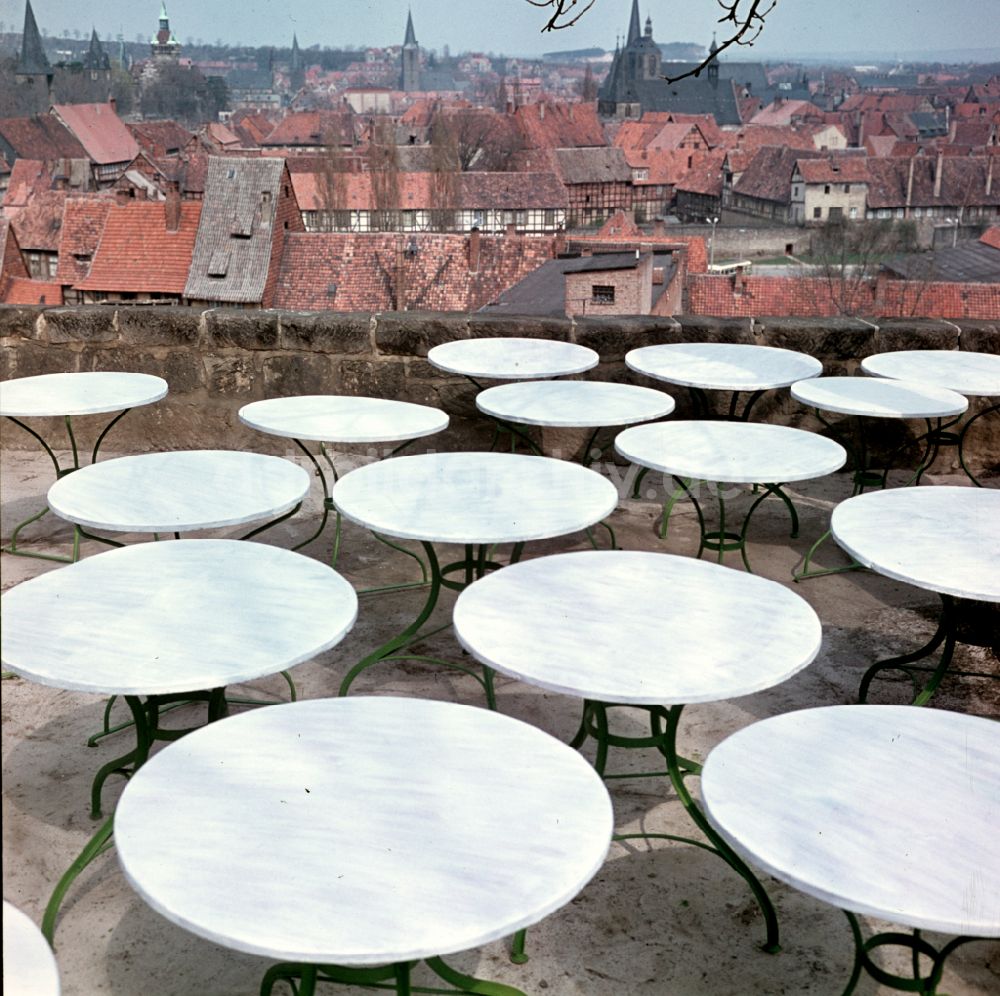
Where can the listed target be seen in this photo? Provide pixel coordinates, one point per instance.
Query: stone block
(234, 374)
(20, 321)
(290, 374)
(520, 326)
(242, 328)
(326, 331)
(182, 370)
(458, 399)
(83, 324)
(33, 358)
(407, 333)
(612, 338)
(417, 369)
(698, 328)
(378, 379)
(979, 336)
(153, 325)
(914, 333)
(825, 338)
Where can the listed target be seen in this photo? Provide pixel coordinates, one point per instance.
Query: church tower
(164, 46)
(96, 61)
(296, 69)
(713, 67)
(410, 77)
(33, 67)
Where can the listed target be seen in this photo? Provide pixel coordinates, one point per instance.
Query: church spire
(33, 61)
(634, 30)
(411, 37)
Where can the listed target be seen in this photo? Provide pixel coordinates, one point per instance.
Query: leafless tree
(744, 21)
(383, 165)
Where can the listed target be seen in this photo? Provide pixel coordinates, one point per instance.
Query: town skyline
(806, 28)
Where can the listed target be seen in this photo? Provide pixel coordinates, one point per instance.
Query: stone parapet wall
(217, 360)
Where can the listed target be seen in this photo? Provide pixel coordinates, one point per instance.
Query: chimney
(541, 112)
(909, 187)
(989, 175)
(474, 250)
(659, 229)
(122, 196)
(937, 174)
(511, 229)
(172, 208)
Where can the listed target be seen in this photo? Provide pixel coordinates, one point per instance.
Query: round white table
(967, 373)
(574, 404)
(328, 418)
(723, 366)
(944, 539)
(478, 500)
(369, 818)
(869, 837)
(512, 358)
(64, 395)
(734, 453)
(29, 966)
(179, 491)
(162, 622)
(684, 631)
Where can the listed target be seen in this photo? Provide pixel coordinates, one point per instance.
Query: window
(817, 212)
(602, 294)
(847, 188)
(826, 189)
(795, 191)
(836, 214)
(854, 212)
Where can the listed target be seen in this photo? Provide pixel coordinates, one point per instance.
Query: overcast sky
(513, 26)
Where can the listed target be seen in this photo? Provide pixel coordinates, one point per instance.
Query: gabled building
(829, 188)
(82, 228)
(598, 183)
(764, 188)
(41, 136)
(107, 141)
(305, 131)
(38, 227)
(249, 210)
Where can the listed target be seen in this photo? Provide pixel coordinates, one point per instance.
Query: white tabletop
(29, 967)
(78, 393)
(157, 618)
(356, 847)
(723, 366)
(878, 397)
(973, 374)
(736, 452)
(343, 419)
(179, 491)
(512, 358)
(574, 403)
(942, 538)
(887, 811)
(474, 497)
(638, 628)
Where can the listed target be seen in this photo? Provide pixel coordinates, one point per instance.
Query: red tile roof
(11, 263)
(101, 132)
(27, 176)
(137, 253)
(38, 226)
(82, 227)
(991, 237)
(781, 112)
(313, 128)
(560, 126)
(835, 169)
(21, 291)
(705, 175)
(158, 138)
(357, 272)
(40, 137)
(620, 226)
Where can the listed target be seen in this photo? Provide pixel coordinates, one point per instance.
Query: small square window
(817, 212)
(826, 189)
(602, 294)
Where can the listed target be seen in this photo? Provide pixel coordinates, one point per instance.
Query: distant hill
(683, 51)
(573, 54)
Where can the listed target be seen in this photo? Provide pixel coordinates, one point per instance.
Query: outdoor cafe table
(476, 500)
(65, 395)
(377, 832)
(735, 453)
(944, 539)
(328, 418)
(161, 622)
(29, 967)
(179, 491)
(512, 358)
(885, 811)
(968, 373)
(638, 629)
(723, 366)
(574, 404)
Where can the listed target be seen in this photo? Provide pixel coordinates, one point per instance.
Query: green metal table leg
(961, 441)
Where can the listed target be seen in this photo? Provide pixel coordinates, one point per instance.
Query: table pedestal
(663, 737)
(303, 979)
(476, 562)
(917, 945)
(946, 634)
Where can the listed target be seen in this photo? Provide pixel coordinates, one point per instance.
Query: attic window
(218, 265)
(230, 174)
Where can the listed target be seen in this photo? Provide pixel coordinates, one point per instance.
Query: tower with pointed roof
(713, 67)
(164, 46)
(410, 77)
(296, 68)
(33, 65)
(96, 60)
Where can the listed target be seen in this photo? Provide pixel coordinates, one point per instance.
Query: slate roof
(136, 253)
(100, 131)
(38, 226)
(343, 271)
(40, 136)
(82, 226)
(768, 177)
(963, 182)
(233, 248)
(33, 61)
(604, 165)
(974, 262)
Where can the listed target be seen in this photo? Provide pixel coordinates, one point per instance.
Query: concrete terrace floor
(658, 919)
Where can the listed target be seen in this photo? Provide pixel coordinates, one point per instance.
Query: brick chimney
(172, 208)
(659, 228)
(474, 250)
(511, 229)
